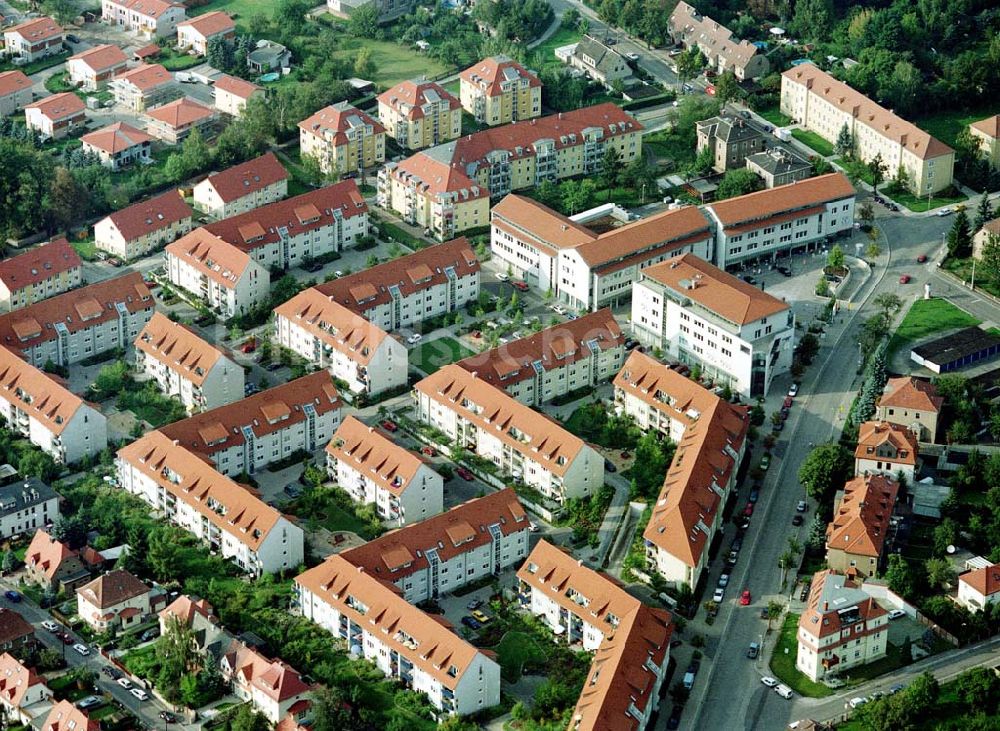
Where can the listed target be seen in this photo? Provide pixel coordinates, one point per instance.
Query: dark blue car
(13, 596)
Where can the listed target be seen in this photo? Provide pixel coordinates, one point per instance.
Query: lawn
(436, 354)
(237, 9)
(923, 203)
(927, 317)
(946, 125)
(394, 62)
(962, 268)
(774, 116)
(515, 650)
(545, 52)
(86, 249)
(783, 662)
(397, 233)
(814, 141)
(35, 66)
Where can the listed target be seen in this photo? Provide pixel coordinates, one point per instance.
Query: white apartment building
(564, 358)
(711, 440)
(282, 234)
(143, 227)
(91, 68)
(373, 470)
(242, 187)
(183, 365)
(406, 291)
(38, 274)
(81, 323)
(54, 419)
(187, 490)
(630, 641)
(580, 267)
(150, 19)
(404, 643)
(885, 448)
(777, 220)
(26, 505)
(248, 435)
(232, 94)
(737, 334)
(841, 628)
(33, 39)
(437, 556)
(15, 92)
(523, 443)
(226, 278)
(332, 337)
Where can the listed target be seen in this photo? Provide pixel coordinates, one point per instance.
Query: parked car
(787, 404)
(754, 495)
(465, 474)
(82, 649)
(150, 634)
(946, 211)
(113, 673)
(481, 616)
(745, 598)
(753, 651)
(390, 426)
(12, 596)
(804, 592)
(896, 614)
(72, 38)
(532, 527)
(691, 673)
(610, 466)
(520, 286)
(922, 259)
(50, 625)
(414, 339)
(748, 510)
(769, 681)
(783, 690)
(857, 702)
(168, 717)
(474, 604)
(732, 558)
(719, 594)
(471, 622)
(125, 683)
(724, 580)
(794, 390)
(631, 56)
(140, 694)
(801, 507)
(503, 276)
(428, 451)
(89, 702)
(904, 279)
(674, 721)
(765, 462)
(796, 519)
(893, 689)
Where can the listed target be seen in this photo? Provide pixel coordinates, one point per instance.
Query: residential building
(25, 506)
(149, 19)
(53, 565)
(987, 133)
(630, 641)
(343, 139)
(790, 217)
(406, 291)
(710, 435)
(499, 90)
(387, 9)
(856, 537)
(599, 61)
(90, 69)
(15, 92)
(841, 628)
(557, 361)
(119, 145)
(33, 39)
(420, 114)
(172, 122)
(64, 716)
(423, 652)
(24, 696)
(16, 633)
(736, 334)
(232, 94)
(437, 556)
(824, 105)
(247, 436)
(194, 34)
(723, 52)
(982, 236)
(778, 167)
(373, 470)
(198, 616)
(524, 444)
(429, 188)
(731, 139)
(37, 406)
(268, 56)
(242, 187)
(228, 517)
(116, 599)
(342, 342)
(885, 448)
(272, 687)
(183, 365)
(979, 588)
(224, 277)
(581, 267)
(912, 403)
(56, 116)
(144, 87)
(144, 227)
(287, 232)
(39, 273)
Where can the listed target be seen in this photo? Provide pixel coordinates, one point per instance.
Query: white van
(783, 690)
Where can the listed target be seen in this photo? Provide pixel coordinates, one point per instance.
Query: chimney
(826, 606)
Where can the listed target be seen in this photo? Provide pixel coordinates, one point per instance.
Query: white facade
(149, 19)
(208, 200)
(23, 509)
(221, 384)
(100, 620)
(980, 588)
(236, 294)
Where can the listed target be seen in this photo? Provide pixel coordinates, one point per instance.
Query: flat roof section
(957, 350)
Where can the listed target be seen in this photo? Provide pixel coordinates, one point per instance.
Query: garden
(143, 399)
(926, 318)
(429, 357)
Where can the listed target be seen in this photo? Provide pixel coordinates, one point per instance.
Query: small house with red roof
(53, 564)
(987, 133)
(64, 716)
(144, 226)
(91, 68)
(144, 87)
(172, 122)
(119, 145)
(232, 94)
(979, 588)
(56, 116)
(242, 187)
(15, 92)
(24, 696)
(195, 33)
(16, 633)
(272, 686)
(912, 403)
(34, 39)
(116, 599)
(886, 448)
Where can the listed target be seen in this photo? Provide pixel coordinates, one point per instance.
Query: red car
(250, 345)
(922, 258)
(520, 286)
(710, 90)
(429, 451)
(465, 474)
(745, 598)
(390, 426)
(905, 279)
(748, 510)
(788, 402)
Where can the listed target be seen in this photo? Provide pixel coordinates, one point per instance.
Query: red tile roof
(412, 273)
(147, 77)
(154, 214)
(37, 265)
(491, 73)
(149, 51)
(112, 589)
(236, 87)
(13, 81)
(556, 347)
(65, 717)
(861, 520)
(181, 113)
(873, 434)
(13, 627)
(911, 393)
(409, 97)
(210, 255)
(762, 206)
(310, 211)
(179, 348)
(186, 607)
(334, 121)
(831, 596)
(116, 138)
(38, 29)
(370, 451)
(985, 581)
(989, 126)
(401, 552)
(149, 8)
(210, 24)
(16, 680)
(247, 178)
(59, 106)
(45, 554)
(437, 178)
(52, 404)
(101, 58)
(701, 30)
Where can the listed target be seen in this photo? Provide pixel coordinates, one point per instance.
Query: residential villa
(56, 116)
(887, 449)
(119, 145)
(90, 69)
(53, 565)
(499, 90)
(912, 403)
(15, 92)
(242, 187)
(232, 94)
(149, 19)
(979, 588)
(172, 122)
(717, 44)
(987, 133)
(196, 33)
(116, 599)
(33, 39)
(856, 538)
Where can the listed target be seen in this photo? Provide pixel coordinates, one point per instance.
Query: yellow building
(420, 114)
(822, 104)
(447, 188)
(987, 132)
(344, 139)
(499, 90)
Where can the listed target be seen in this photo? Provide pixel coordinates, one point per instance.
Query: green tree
(845, 141)
(984, 212)
(877, 168)
(364, 22)
(727, 88)
(652, 457)
(813, 19)
(364, 64)
(611, 168)
(873, 250)
(66, 199)
(8, 561)
(219, 54)
(940, 574)
(979, 688)
(703, 161)
(923, 693)
(835, 259)
(867, 213)
(330, 710)
(578, 195)
(247, 718)
(990, 258)
(690, 63)
(888, 304)
(824, 469)
(960, 237)
(163, 553)
(774, 610)
(737, 182)
(900, 576)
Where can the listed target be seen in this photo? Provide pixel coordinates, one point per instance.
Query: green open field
(239, 10)
(926, 317)
(394, 62)
(545, 51)
(774, 116)
(946, 125)
(813, 141)
(783, 662)
(436, 354)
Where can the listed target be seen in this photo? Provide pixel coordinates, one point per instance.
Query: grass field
(239, 10)
(926, 317)
(545, 52)
(394, 62)
(436, 354)
(86, 249)
(516, 649)
(813, 141)
(963, 268)
(774, 116)
(919, 205)
(946, 125)
(783, 662)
